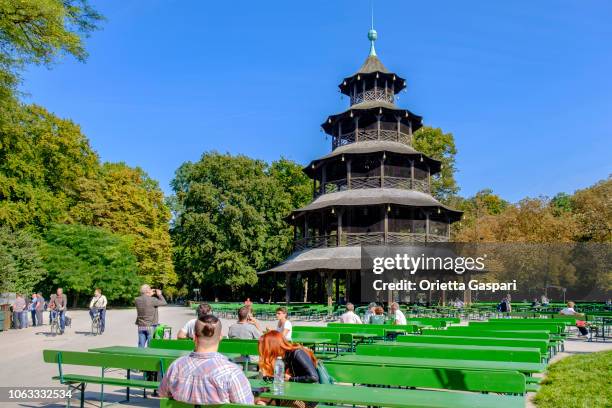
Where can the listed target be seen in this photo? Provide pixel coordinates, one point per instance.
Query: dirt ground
(22, 365)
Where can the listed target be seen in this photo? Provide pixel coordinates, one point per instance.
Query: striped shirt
(206, 378)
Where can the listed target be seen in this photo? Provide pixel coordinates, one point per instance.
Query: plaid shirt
(206, 378)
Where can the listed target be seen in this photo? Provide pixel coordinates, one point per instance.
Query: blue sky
(524, 86)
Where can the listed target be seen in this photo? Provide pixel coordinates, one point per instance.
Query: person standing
(40, 307)
(61, 305)
(350, 316)
(97, 305)
(147, 317)
(19, 306)
(32, 309)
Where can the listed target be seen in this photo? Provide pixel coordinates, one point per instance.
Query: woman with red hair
(300, 362)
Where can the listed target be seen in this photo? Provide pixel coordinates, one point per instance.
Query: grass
(582, 380)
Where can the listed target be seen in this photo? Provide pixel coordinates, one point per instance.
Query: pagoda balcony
(362, 135)
(404, 183)
(365, 239)
(374, 94)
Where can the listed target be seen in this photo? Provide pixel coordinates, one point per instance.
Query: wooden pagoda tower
(373, 188)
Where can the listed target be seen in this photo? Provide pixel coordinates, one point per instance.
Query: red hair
(272, 345)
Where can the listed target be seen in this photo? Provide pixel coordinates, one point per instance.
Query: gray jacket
(146, 310)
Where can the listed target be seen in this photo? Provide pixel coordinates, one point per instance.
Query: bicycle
(96, 324)
(55, 324)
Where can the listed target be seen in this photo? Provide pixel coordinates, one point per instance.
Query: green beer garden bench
(508, 382)
(543, 345)
(528, 355)
(104, 361)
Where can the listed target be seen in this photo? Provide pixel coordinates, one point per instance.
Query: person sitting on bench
(205, 376)
(349, 316)
(570, 311)
(186, 331)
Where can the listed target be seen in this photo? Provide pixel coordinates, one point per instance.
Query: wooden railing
(404, 183)
(371, 134)
(374, 94)
(365, 239)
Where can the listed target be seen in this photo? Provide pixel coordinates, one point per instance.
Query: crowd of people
(56, 307)
(207, 377)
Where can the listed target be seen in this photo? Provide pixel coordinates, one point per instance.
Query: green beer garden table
(526, 368)
(152, 352)
(387, 397)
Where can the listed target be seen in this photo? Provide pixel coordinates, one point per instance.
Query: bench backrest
(245, 347)
(332, 336)
(142, 363)
(361, 328)
(473, 332)
(542, 345)
(456, 353)
(553, 328)
(423, 377)
(408, 328)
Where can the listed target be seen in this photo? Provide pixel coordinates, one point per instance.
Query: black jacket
(300, 366)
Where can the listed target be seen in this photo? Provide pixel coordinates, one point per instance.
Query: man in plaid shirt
(206, 376)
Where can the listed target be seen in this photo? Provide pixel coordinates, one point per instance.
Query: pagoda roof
(372, 64)
(377, 196)
(335, 258)
(375, 146)
(416, 120)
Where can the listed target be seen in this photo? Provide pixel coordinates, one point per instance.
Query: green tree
(126, 200)
(440, 146)
(21, 265)
(229, 219)
(38, 31)
(593, 212)
(42, 158)
(80, 258)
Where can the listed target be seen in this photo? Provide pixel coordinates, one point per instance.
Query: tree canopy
(435, 143)
(229, 218)
(80, 258)
(38, 32)
(21, 265)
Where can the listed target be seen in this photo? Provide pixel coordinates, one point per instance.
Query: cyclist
(97, 305)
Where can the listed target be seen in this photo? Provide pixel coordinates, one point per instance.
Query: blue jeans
(33, 314)
(145, 335)
(18, 319)
(102, 313)
(62, 315)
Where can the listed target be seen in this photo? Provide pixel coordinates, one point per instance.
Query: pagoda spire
(372, 34)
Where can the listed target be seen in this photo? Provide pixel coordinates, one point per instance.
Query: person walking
(147, 317)
(40, 307)
(61, 306)
(32, 309)
(19, 306)
(97, 305)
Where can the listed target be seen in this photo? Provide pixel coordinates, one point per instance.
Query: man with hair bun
(205, 376)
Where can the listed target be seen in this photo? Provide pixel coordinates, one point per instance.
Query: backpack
(502, 307)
